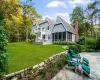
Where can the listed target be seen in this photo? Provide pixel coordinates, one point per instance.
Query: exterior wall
(44, 30)
(35, 28)
(58, 28)
(73, 37)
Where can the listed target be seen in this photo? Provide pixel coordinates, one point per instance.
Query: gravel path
(69, 74)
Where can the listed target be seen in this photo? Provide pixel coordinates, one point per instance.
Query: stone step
(38, 42)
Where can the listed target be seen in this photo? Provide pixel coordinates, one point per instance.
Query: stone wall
(34, 72)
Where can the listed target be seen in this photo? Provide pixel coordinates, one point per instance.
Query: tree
(18, 18)
(78, 14)
(12, 16)
(29, 15)
(3, 47)
(94, 15)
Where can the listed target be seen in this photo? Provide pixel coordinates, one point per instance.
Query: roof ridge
(50, 21)
(66, 24)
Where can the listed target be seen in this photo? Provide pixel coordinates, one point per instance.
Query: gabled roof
(51, 22)
(68, 27)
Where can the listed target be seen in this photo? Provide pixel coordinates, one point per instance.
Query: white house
(49, 31)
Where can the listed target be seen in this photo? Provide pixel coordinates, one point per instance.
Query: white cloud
(47, 16)
(79, 1)
(74, 5)
(56, 4)
(62, 14)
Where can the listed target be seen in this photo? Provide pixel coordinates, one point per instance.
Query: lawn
(23, 55)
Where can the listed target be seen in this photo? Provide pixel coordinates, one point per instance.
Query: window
(47, 27)
(49, 36)
(43, 36)
(69, 36)
(43, 29)
(38, 28)
(64, 36)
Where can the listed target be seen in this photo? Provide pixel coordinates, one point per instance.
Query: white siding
(73, 37)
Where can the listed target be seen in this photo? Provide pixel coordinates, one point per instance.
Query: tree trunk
(26, 34)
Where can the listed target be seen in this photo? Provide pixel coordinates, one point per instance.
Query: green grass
(23, 55)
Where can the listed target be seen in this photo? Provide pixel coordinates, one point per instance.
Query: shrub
(75, 48)
(81, 41)
(79, 47)
(32, 38)
(3, 50)
(63, 43)
(98, 43)
(60, 64)
(91, 43)
(89, 50)
(44, 73)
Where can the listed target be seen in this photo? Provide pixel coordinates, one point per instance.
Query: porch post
(58, 36)
(66, 36)
(62, 36)
(54, 37)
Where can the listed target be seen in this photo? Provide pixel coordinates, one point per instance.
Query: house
(59, 30)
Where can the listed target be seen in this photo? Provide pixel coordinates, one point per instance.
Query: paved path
(69, 74)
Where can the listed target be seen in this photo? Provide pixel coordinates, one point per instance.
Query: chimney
(76, 29)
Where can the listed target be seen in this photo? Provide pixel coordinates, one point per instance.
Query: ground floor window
(59, 36)
(43, 36)
(69, 36)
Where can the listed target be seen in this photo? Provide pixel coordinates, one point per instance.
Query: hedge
(63, 43)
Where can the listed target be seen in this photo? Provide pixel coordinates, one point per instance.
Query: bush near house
(75, 48)
(32, 38)
(91, 42)
(98, 43)
(63, 43)
(81, 40)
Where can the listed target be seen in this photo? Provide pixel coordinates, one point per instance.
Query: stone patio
(69, 74)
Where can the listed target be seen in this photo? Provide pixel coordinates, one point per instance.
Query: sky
(63, 8)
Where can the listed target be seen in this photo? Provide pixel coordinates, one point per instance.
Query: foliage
(98, 43)
(52, 69)
(89, 50)
(29, 16)
(44, 73)
(3, 49)
(60, 64)
(75, 48)
(79, 47)
(91, 42)
(81, 40)
(78, 14)
(18, 18)
(63, 43)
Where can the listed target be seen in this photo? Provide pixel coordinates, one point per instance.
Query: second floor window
(47, 27)
(43, 29)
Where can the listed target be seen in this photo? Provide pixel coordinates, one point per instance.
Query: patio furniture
(74, 62)
(85, 69)
(84, 60)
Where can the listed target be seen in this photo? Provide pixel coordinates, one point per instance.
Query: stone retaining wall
(34, 72)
